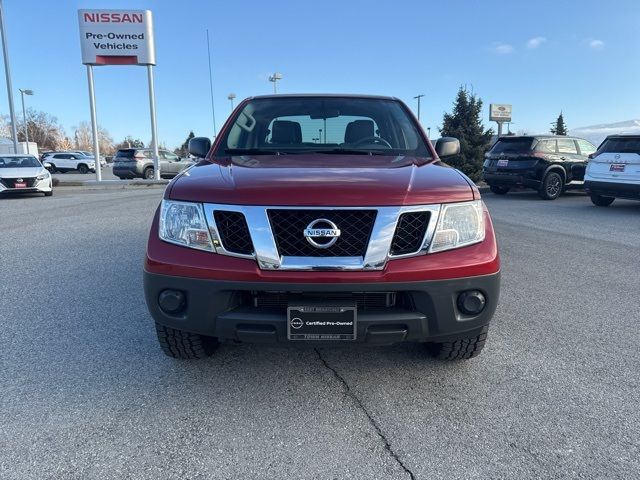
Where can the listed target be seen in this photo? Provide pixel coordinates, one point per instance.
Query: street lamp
(274, 78)
(231, 96)
(419, 97)
(24, 115)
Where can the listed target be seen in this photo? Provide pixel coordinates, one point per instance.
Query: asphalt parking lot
(86, 393)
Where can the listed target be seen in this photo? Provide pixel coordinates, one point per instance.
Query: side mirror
(447, 147)
(199, 146)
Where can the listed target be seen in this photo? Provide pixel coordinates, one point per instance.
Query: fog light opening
(171, 301)
(471, 302)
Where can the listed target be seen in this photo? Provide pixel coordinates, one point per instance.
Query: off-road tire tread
(184, 345)
(461, 349)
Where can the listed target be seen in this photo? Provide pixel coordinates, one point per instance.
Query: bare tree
(43, 128)
(83, 138)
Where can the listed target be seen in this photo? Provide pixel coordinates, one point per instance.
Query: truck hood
(321, 180)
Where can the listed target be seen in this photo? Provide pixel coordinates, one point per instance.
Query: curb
(112, 184)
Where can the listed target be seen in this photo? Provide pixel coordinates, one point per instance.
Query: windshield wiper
(351, 151)
(252, 151)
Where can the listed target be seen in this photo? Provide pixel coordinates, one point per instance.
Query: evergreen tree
(558, 127)
(183, 150)
(465, 124)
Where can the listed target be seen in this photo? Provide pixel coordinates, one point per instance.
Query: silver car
(22, 174)
(138, 163)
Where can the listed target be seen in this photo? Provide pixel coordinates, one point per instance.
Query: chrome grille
(234, 232)
(355, 230)
(410, 233)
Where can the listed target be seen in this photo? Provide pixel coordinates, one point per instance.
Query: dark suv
(546, 163)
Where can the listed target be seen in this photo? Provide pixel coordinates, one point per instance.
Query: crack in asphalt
(361, 406)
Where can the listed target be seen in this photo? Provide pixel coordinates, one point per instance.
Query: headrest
(357, 130)
(286, 132)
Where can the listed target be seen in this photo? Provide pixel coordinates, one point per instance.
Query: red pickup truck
(322, 218)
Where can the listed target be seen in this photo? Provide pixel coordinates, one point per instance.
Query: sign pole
(7, 72)
(154, 129)
(94, 123)
(499, 129)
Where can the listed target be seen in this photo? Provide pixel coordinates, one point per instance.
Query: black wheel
(460, 349)
(52, 168)
(551, 186)
(83, 169)
(48, 194)
(601, 201)
(148, 173)
(180, 344)
(499, 190)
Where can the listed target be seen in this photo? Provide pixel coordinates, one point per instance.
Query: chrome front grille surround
(265, 244)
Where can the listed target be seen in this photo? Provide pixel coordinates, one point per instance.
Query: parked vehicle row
(554, 164)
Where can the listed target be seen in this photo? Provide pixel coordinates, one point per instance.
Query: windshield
(19, 162)
(620, 145)
(297, 125)
(512, 145)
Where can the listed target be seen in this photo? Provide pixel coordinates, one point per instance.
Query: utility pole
(274, 78)
(7, 72)
(213, 111)
(418, 97)
(230, 97)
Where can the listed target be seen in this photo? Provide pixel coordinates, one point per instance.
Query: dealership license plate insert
(321, 322)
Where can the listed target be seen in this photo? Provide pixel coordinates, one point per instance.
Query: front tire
(83, 169)
(600, 201)
(48, 194)
(499, 190)
(184, 345)
(148, 173)
(461, 349)
(551, 186)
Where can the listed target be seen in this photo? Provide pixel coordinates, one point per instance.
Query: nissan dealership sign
(116, 37)
(500, 112)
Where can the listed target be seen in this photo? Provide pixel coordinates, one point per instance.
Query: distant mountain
(597, 133)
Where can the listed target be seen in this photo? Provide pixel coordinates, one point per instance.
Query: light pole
(7, 72)
(24, 115)
(419, 97)
(274, 78)
(231, 96)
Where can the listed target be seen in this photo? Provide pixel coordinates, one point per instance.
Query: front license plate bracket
(321, 322)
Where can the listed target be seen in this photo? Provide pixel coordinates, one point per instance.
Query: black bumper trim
(215, 308)
(611, 189)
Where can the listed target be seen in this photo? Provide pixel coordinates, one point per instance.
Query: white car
(22, 174)
(613, 170)
(67, 161)
(85, 154)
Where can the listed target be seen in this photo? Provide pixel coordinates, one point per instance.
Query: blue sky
(543, 57)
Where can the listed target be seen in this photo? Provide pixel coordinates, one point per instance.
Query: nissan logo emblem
(322, 233)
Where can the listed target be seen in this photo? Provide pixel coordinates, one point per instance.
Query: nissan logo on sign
(116, 37)
(500, 112)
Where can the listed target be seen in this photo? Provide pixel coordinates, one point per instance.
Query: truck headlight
(459, 225)
(183, 223)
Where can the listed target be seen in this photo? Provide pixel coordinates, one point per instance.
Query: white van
(613, 170)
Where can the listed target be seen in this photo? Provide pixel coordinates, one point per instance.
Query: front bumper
(40, 186)
(611, 189)
(511, 180)
(219, 308)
